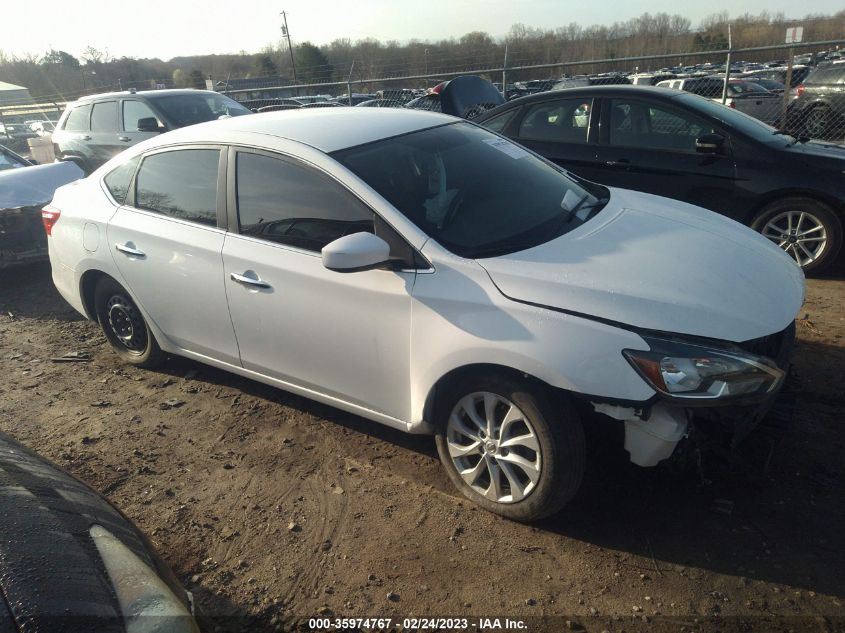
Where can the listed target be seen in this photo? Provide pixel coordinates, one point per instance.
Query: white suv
(427, 274)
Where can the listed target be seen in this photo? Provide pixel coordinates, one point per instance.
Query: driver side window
(635, 123)
(288, 203)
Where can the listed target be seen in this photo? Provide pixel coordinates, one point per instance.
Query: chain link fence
(803, 95)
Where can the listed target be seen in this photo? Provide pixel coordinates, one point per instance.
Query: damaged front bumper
(654, 429)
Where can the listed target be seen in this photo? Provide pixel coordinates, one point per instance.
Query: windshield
(477, 194)
(733, 119)
(187, 109)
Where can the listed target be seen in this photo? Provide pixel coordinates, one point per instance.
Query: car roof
(144, 93)
(624, 90)
(326, 129)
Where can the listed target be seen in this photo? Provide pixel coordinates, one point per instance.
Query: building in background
(12, 94)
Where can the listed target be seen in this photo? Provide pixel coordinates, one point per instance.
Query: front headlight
(147, 603)
(686, 370)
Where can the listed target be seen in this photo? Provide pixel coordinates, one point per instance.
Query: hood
(820, 149)
(659, 264)
(33, 186)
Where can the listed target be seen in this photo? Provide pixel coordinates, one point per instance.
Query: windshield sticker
(506, 147)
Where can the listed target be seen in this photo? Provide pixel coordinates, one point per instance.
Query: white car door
(343, 335)
(166, 242)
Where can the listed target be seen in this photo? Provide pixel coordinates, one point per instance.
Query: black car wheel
(507, 447)
(124, 325)
(808, 230)
(818, 122)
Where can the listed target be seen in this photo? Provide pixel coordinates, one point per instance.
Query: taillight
(732, 104)
(800, 90)
(49, 216)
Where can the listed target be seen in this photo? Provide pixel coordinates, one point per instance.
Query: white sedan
(425, 273)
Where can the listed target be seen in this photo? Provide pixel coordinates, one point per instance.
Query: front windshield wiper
(600, 202)
(516, 245)
(799, 138)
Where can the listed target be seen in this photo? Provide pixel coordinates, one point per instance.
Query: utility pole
(286, 33)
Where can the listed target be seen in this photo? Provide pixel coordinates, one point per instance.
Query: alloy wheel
(494, 447)
(817, 122)
(799, 233)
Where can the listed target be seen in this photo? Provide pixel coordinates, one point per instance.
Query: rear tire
(124, 325)
(509, 446)
(818, 122)
(808, 230)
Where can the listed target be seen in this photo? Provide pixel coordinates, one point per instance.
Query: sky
(172, 28)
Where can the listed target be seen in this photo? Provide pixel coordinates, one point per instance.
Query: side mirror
(149, 124)
(710, 144)
(356, 252)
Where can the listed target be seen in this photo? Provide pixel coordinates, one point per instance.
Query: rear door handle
(125, 139)
(84, 137)
(130, 250)
(250, 281)
(622, 162)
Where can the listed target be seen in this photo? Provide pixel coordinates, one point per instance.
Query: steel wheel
(127, 324)
(799, 233)
(124, 325)
(494, 447)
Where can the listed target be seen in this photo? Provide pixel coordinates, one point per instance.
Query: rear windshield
(477, 194)
(187, 109)
(826, 76)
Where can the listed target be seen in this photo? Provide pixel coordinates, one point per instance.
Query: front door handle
(622, 162)
(250, 281)
(84, 137)
(125, 139)
(129, 249)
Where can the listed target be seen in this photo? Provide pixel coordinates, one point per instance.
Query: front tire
(509, 446)
(124, 325)
(808, 230)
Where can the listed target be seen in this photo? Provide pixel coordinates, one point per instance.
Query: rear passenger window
(180, 184)
(117, 180)
(104, 117)
(77, 120)
(291, 204)
(562, 121)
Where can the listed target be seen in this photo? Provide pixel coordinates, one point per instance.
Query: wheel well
(462, 373)
(773, 196)
(87, 285)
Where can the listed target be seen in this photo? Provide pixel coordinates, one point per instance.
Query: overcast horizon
(220, 32)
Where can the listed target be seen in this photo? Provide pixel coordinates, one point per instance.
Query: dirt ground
(273, 509)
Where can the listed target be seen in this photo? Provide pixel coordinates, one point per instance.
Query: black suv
(94, 129)
(819, 109)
